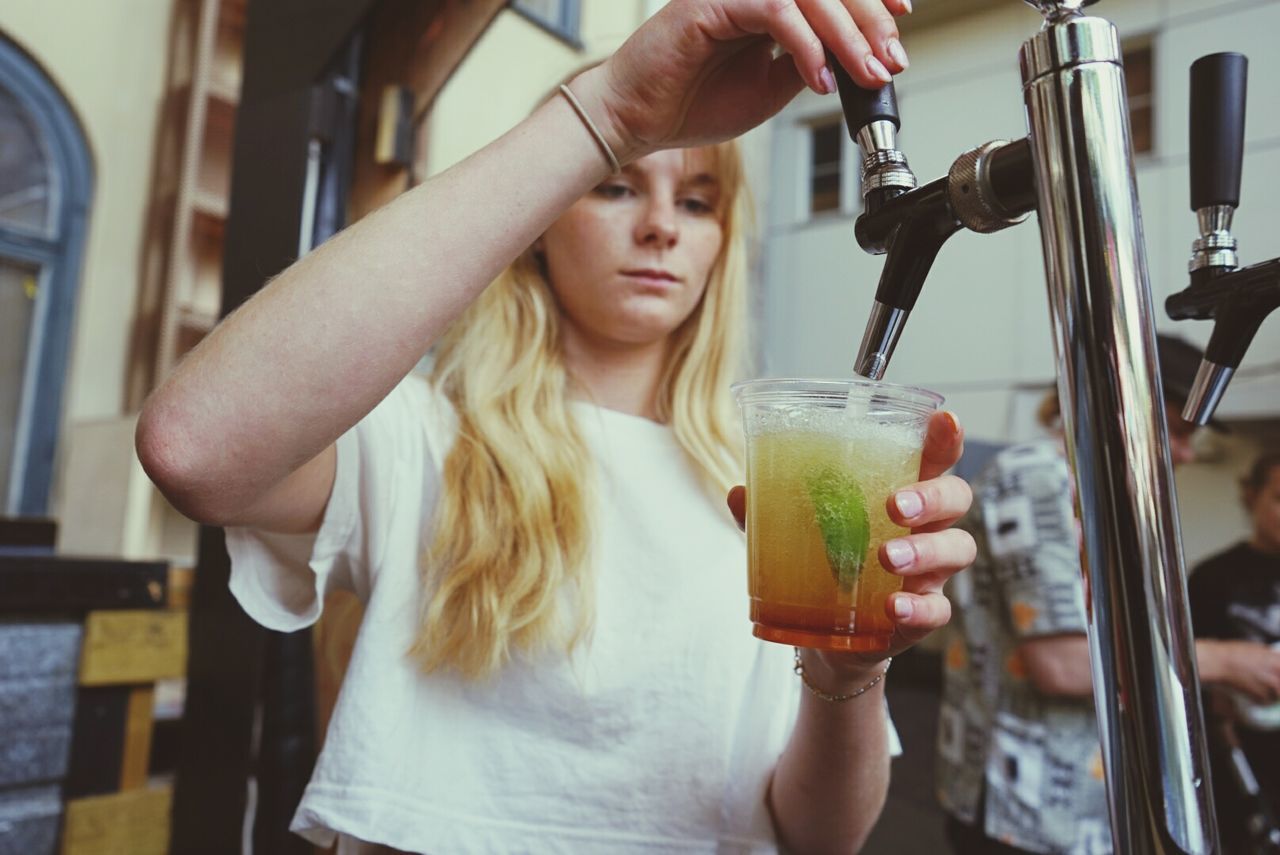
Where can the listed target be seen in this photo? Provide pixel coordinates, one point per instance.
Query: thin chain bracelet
(837, 699)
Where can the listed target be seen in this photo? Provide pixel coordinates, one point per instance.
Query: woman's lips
(659, 279)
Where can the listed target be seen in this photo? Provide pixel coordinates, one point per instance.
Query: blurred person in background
(1019, 759)
(1235, 605)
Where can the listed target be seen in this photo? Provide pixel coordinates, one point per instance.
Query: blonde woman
(555, 655)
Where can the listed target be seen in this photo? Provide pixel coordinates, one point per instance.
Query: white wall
(980, 333)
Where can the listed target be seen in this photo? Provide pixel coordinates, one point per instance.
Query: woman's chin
(640, 329)
(641, 335)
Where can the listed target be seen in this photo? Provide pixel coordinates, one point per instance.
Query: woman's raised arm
(242, 431)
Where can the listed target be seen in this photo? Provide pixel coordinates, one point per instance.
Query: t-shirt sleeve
(895, 742)
(1031, 532)
(281, 580)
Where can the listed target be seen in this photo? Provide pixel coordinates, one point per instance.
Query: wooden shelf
(232, 14)
(227, 56)
(206, 91)
(224, 94)
(196, 320)
(213, 172)
(209, 206)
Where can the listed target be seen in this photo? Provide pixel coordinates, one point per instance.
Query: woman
(554, 655)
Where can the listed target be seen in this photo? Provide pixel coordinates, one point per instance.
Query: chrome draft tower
(1074, 169)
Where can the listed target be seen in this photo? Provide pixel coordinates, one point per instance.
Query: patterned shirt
(1029, 762)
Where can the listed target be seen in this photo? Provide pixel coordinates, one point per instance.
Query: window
(826, 165)
(45, 184)
(560, 17)
(1138, 70)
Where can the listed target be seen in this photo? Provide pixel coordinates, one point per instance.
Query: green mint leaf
(841, 512)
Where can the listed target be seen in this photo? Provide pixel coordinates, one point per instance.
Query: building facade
(980, 333)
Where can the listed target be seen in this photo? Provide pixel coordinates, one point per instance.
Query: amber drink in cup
(823, 457)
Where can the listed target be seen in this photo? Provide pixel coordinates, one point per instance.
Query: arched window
(46, 181)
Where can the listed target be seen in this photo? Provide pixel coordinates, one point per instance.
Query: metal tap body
(1075, 169)
(1146, 686)
(1237, 300)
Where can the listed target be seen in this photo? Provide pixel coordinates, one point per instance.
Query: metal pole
(1145, 681)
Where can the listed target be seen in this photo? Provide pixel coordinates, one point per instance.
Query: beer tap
(987, 189)
(1075, 170)
(1238, 300)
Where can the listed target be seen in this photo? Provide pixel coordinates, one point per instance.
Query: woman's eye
(695, 205)
(613, 191)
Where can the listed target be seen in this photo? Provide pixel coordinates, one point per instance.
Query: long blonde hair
(508, 569)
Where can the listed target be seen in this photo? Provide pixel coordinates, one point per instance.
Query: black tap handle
(863, 106)
(1217, 128)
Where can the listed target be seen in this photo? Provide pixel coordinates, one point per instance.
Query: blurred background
(160, 159)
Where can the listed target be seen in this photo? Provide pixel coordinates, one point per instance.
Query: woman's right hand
(702, 71)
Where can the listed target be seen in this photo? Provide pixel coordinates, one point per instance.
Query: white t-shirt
(659, 734)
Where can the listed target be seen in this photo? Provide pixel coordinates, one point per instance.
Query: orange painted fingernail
(952, 421)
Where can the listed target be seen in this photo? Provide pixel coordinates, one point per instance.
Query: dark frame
(60, 258)
(289, 49)
(565, 29)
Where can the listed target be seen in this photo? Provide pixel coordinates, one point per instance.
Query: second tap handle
(1217, 128)
(863, 106)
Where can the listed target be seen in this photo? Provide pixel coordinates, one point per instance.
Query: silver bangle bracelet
(837, 699)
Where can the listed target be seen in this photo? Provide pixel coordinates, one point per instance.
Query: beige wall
(509, 69)
(110, 61)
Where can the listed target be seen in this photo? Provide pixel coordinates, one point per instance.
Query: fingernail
(906, 4)
(896, 52)
(910, 504)
(952, 421)
(877, 70)
(828, 80)
(899, 553)
(902, 608)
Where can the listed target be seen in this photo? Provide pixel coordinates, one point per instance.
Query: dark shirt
(1235, 595)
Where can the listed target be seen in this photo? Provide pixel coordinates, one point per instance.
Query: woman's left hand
(926, 558)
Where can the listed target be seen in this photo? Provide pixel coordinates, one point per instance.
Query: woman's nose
(657, 225)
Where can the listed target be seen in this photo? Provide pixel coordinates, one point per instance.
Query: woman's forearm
(830, 783)
(323, 343)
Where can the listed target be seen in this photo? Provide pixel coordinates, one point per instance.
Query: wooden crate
(135, 822)
(142, 646)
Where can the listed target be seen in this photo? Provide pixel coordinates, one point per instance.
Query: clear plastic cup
(823, 457)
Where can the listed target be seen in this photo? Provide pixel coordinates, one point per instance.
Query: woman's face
(629, 261)
(1264, 509)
